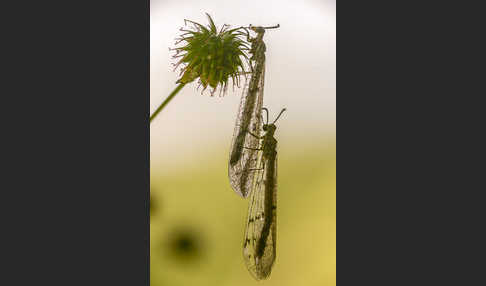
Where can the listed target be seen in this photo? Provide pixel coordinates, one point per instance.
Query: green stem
(163, 104)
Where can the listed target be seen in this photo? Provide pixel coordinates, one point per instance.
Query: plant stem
(163, 104)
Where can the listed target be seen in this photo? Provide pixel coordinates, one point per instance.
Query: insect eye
(265, 127)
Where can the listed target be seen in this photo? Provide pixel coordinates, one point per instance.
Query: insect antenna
(278, 115)
(266, 110)
(271, 27)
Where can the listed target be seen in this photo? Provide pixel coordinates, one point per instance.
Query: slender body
(248, 119)
(259, 246)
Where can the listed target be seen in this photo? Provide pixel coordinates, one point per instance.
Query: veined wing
(243, 156)
(259, 246)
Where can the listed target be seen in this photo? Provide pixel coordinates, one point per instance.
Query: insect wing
(259, 246)
(243, 154)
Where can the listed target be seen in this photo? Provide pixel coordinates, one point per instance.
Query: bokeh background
(197, 221)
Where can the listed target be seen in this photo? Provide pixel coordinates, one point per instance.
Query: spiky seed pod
(211, 56)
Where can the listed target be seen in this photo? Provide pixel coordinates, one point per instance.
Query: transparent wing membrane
(243, 155)
(259, 245)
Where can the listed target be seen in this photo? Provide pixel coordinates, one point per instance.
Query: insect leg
(256, 136)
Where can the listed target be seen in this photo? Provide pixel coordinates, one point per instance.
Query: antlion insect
(259, 246)
(242, 160)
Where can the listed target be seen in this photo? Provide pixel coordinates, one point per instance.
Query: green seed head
(211, 56)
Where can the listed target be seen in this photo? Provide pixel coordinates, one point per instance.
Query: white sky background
(300, 75)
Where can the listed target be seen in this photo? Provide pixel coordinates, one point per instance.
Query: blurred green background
(197, 221)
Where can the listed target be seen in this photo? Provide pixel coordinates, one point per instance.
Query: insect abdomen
(268, 202)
